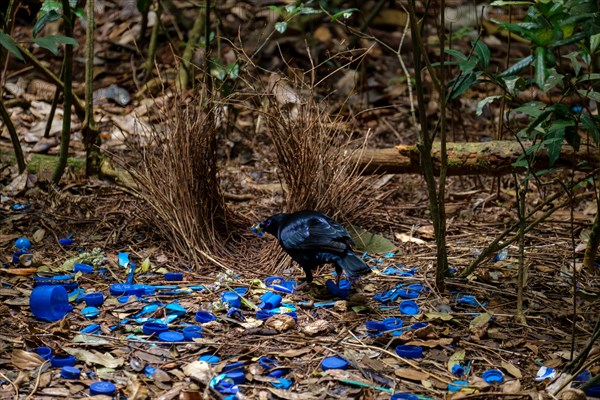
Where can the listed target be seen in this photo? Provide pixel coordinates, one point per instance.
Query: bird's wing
(314, 233)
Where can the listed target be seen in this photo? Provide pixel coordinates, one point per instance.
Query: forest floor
(471, 322)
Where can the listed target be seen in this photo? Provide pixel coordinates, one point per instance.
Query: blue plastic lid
(210, 359)
(68, 372)
(191, 332)
(44, 352)
(343, 291)
(334, 362)
(175, 309)
(418, 325)
(238, 377)
(455, 386)
(119, 289)
(408, 351)
(278, 373)
(408, 294)
(493, 376)
(105, 388)
(94, 299)
(458, 370)
(23, 244)
(154, 328)
(204, 317)
(49, 303)
(280, 284)
(404, 396)
(233, 366)
(174, 276)
(375, 326)
(83, 268)
(171, 337)
(409, 307)
(392, 323)
(90, 312)
(63, 361)
(232, 298)
(270, 301)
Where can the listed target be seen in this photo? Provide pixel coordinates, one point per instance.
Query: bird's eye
(268, 223)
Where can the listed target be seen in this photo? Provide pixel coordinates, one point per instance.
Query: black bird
(312, 239)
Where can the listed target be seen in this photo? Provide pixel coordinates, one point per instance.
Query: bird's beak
(258, 230)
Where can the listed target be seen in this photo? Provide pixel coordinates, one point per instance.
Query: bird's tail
(353, 266)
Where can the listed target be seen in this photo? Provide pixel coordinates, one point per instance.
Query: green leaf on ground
(372, 243)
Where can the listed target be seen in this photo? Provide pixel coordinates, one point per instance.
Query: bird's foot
(304, 286)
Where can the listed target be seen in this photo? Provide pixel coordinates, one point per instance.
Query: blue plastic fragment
(171, 337)
(119, 289)
(173, 276)
(191, 332)
(236, 313)
(458, 370)
(241, 290)
(149, 371)
(204, 317)
(103, 388)
(267, 363)
(375, 326)
(62, 361)
(233, 366)
(23, 244)
(392, 323)
(20, 207)
(280, 284)
(232, 299)
(282, 383)
(404, 396)
(455, 386)
(223, 384)
(342, 291)
(492, 376)
(469, 300)
(44, 352)
(409, 351)
(210, 359)
(123, 259)
(68, 241)
(409, 307)
(334, 362)
(90, 329)
(90, 312)
(49, 303)
(94, 299)
(83, 268)
(175, 309)
(270, 301)
(69, 372)
(583, 376)
(154, 328)
(238, 377)
(266, 314)
(278, 372)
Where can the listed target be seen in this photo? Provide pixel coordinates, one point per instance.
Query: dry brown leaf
(293, 352)
(95, 357)
(511, 369)
(280, 322)
(200, 371)
(316, 327)
(512, 386)
(411, 374)
(431, 343)
(22, 359)
(135, 390)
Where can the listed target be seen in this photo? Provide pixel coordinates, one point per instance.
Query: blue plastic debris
(458, 370)
(470, 300)
(69, 372)
(266, 314)
(267, 363)
(66, 281)
(205, 316)
(90, 312)
(233, 366)
(492, 376)
(154, 328)
(278, 372)
(502, 255)
(270, 301)
(409, 351)
(279, 284)
(83, 268)
(232, 299)
(91, 329)
(342, 291)
(23, 244)
(49, 303)
(392, 323)
(174, 276)
(238, 377)
(409, 307)
(210, 359)
(171, 337)
(68, 241)
(375, 326)
(20, 207)
(149, 371)
(175, 309)
(282, 383)
(404, 396)
(94, 299)
(191, 332)
(62, 361)
(103, 388)
(236, 313)
(455, 386)
(44, 352)
(334, 362)
(223, 384)
(418, 325)
(123, 259)
(583, 376)
(120, 289)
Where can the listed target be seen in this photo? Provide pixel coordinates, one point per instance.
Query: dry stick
(37, 381)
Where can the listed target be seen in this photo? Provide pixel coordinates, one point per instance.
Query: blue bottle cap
(280, 284)
(455, 386)
(23, 244)
(233, 366)
(404, 396)
(417, 287)
(90, 312)
(191, 332)
(409, 307)
(68, 372)
(204, 317)
(334, 362)
(49, 303)
(492, 376)
(105, 388)
(83, 268)
(174, 276)
(232, 298)
(119, 289)
(458, 370)
(270, 301)
(278, 373)
(90, 329)
(392, 323)
(171, 337)
(44, 352)
(408, 351)
(210, 359)
(154, 328)
(238, 377)
(343, 291)
(375, 326)
(94, 299)
(63, 361)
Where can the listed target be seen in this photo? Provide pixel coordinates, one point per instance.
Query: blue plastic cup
(270, 301)
(231, 298)
(49, 303)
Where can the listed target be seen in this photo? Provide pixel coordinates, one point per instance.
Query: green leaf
(281, 26)
(517, 67)
(457, 358)
(553, 145)
(480, 320)
(457, 54)
(572, 56)
(483, 53)
(347, 13)
(590, 94)
(51, 42)
(464, 82)
(532, 108)
(9, 44)
(501, 3)
(589, 77)
(591, 126)
(594, 42)
(540, 67)
(80, 12)
(371, 242)
(278, 10)
(485, 102)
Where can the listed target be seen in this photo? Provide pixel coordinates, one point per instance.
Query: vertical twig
(91, 137)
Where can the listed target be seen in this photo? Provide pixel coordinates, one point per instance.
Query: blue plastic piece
(231, 298)
(191, 332)
(408, 294)
(282, 383)
(278, 372)
(392, 323)
(458, 370)
(455, 386)
(593, 391)
(174, 276)
(409, 307)
(20, 207)
(334, 362)
(583, 376)
(343, 291)
(267, 363)
(154, 328)
(23, 244)
(492, 376)
(171, 337)
(241, 290)
(90, 329)
(210, 359)
(49, 303)
(123, 259)
(66, 242)
(238, 377)
(63, 361)
(44, 352)
(469, 299)
(375, 326)
(119, 289)
(236, 313)
(270, 301)
(418, 325)
(149, 371)
(103, 388)
(205, 316)
(83, 268)
(233, 366)
(404, 396)
(90, 312)
(94, 299)
(60, 280)
(69, 372)
(279, 284)
(175, 309)
(408, 351)
(222, 384)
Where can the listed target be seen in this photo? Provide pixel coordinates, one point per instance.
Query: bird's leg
(306, 281)
(338, 276)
